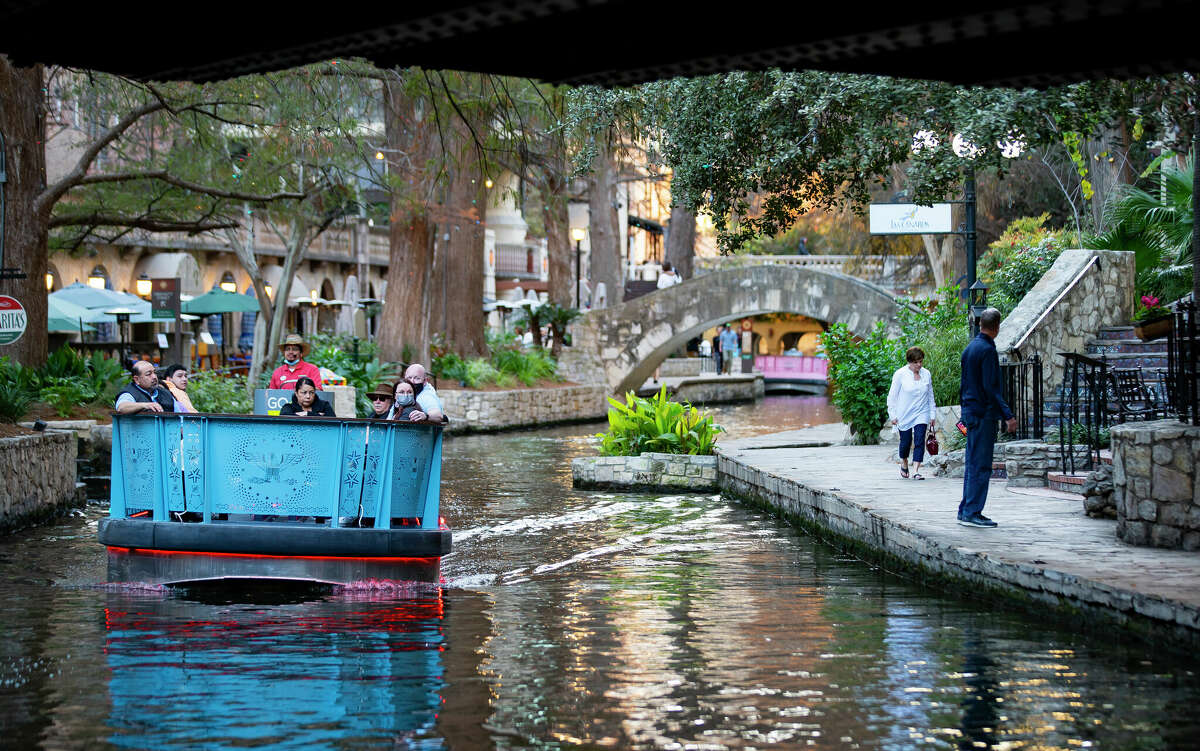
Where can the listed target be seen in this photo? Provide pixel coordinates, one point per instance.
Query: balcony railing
(516, 261)
(891, 272)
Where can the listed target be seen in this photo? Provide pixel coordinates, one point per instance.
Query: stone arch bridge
(623, 344)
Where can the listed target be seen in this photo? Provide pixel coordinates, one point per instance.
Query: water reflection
(342, 671)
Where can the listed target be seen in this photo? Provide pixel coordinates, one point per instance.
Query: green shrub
(861, 374)
(508, 364)
(222, 394)
(657, 424)
(64, 397)
(364, 371)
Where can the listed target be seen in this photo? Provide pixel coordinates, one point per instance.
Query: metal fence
(1023, 392)
(1082, 412)
(1183, 370)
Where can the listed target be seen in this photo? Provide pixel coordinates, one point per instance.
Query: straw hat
(384, 389)
(298, 340)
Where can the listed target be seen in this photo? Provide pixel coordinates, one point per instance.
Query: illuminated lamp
(143, 285)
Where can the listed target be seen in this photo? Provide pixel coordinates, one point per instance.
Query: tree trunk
(23, 128)
(459, 296)
(559, 246)
(604, 226)
(939, 249)
(681, 240)
(1106, 160)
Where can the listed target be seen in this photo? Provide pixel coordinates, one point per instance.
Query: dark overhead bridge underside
(617, 42)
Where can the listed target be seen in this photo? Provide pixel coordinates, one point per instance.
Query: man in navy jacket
(981, 395)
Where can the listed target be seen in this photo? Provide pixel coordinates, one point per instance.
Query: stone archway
(622, 345)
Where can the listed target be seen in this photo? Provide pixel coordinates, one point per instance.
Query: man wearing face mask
(294, 367)
(426, 396)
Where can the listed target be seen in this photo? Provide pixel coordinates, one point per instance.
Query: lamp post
(122, 315)
(577, 234)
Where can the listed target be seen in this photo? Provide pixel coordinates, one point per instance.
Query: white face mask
(404, 400)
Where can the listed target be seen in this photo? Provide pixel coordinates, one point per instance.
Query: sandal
(904, 472)
(918, 477)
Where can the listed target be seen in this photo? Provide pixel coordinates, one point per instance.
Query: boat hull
(166, 553)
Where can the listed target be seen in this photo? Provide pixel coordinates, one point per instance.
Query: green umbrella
(219, 301)
(67, 316)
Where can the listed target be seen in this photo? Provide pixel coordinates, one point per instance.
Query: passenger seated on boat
(426, 395)
(176, 382)
(381, 401)
(305, 402)
(406, 408)
(144, 394)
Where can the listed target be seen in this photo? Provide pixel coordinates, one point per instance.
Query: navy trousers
(977, 472)
(918, 446)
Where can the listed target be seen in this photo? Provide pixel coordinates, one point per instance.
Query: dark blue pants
(977, 471)
(907, 437)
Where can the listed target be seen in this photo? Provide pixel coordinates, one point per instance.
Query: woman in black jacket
(305, 402)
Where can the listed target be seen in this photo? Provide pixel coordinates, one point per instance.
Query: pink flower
(1149, 301)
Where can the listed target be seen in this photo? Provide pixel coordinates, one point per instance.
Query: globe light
(143, 285)
(964, 148)
(1011, 146)
(577, 234)
(924, 139)
(488, 183)
(379, 155)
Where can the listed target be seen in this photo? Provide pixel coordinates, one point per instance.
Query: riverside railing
(166, 465)
(1023, 392)
(1183, 364)
(1083, 412)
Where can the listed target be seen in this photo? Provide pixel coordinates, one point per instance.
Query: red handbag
(931, 444)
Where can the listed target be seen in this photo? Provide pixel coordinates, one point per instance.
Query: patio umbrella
(63, 316)
(219, 301)
(90, 297)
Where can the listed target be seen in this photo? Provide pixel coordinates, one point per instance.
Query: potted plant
(1151, 321)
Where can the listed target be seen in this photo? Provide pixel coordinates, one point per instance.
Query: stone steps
(1067, 482)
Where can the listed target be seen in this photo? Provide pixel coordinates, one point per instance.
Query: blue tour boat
(199, 497)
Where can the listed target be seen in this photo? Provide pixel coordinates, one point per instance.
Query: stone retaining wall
(650, 471)
(498, 410)
(1154, 483)
(39, 477)
(717, 389)
(680, 367)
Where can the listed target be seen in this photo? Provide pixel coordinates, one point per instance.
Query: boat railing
(199, 466)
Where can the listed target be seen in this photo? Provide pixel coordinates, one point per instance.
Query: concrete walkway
(1045, 549)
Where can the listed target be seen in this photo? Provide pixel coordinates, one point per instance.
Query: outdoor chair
(1129, 398)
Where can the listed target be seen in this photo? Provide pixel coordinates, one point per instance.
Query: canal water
(567, 619)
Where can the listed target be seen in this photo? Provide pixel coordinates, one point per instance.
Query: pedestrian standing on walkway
(982, 398)
(911, 409)
(731, 349)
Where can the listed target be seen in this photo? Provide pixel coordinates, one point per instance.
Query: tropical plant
(1157, 228)
(657, 424)
(558, 317)
(861, 373)
(356, 360)
(221, 394)
(16, 391)
(509, 363)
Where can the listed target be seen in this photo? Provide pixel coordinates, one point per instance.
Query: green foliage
(1021, 270)
(657, 424)
(755, 150)
(1023, 232)
(1079, 437)
(221, 394)
(1157, 226)
(16, 393)
(940, 328)
(861, 374)
(66, 381)
(508, 364)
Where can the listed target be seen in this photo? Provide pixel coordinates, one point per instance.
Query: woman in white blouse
(911, 408)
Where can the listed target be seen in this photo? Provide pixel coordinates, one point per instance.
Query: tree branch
(164, 176)
(108, 219)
